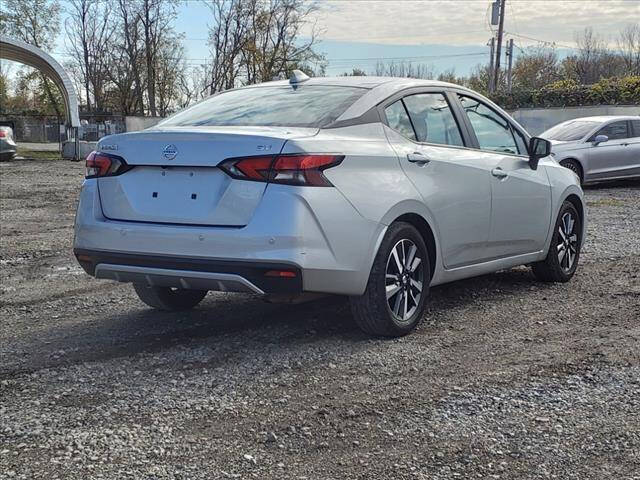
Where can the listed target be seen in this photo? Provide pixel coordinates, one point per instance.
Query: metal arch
(18, 51)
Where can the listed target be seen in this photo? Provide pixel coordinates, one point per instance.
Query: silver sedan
(598, 148)
(373, 188)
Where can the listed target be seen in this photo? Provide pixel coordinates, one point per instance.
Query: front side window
(521, 142)
(398, 119)
(615, 131)
(492, 130)
(635, 126)
(304, 106)
(432, 119)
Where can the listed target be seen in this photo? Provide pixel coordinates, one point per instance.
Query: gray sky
(446, 34)
(465, 22)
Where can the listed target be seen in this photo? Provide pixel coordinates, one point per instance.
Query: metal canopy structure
(18, 51)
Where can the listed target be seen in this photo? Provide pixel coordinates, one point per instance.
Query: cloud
(466, 22)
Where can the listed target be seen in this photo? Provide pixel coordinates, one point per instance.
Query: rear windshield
(305, 106)
(569, 131)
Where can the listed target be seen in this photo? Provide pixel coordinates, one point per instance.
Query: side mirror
(600, 139)
(538, 148)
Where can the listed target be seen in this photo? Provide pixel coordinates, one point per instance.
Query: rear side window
(635, 125)
(615, 131)
(432, 119)
(398, 119)
(493, 131)
(304, 106)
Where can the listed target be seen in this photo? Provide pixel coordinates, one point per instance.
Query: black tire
(7, 156)
(574, 166)
(556, 267)
(372, 310)
(169, 299)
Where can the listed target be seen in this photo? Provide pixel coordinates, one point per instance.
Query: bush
(567, 93)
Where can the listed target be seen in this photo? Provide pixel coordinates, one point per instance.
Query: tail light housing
(291, 169)
(3, 133)
(105, 165)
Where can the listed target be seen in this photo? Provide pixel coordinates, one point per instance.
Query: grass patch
(38, 154)
(606, 202)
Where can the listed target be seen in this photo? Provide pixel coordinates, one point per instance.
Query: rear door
(521, 197)
(614, 157)
(175, 176)
(453, 181)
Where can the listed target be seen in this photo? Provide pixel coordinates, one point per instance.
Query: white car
(598, 148)
(374, 188)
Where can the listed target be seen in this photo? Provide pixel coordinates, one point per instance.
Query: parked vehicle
(375, 188)
(8, 146)
(598, 148)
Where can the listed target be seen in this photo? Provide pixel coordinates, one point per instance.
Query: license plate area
(189, 195)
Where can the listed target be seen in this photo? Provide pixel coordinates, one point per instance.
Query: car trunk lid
(176, 178)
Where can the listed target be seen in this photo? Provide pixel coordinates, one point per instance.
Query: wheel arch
(427, 234)
(577, 161)
(577, 202)
(417, 214)
(573, 194)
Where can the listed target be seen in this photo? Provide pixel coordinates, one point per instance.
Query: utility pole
(510, 55)
(492, 46)
(496, 75)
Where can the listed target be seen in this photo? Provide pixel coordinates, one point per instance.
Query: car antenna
(297, 77)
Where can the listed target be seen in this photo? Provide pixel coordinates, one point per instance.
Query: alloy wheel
(404, 279)
(567, 242)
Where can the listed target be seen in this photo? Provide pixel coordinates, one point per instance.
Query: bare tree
(450, 76)
(193, 85)
(594, 59)
(355, 72)
(156, 17)
(629, 46)
(535, 67)
(254, 41)
(227, 38)
(127, 61)
(405, 69)
(169, 65)
(89, 29)
(274, 45)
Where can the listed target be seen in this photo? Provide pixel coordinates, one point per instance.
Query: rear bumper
(313, 231)
(192, 273)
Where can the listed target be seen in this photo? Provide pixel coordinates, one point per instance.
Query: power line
(546, 42)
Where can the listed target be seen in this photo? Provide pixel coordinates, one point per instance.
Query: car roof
(606, 118)
(363, 81)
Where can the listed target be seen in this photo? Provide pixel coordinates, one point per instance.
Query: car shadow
(243, 320)
(633, 183)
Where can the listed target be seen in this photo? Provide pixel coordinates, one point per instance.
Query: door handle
(624, 144)
(417, 157)
(499, 173)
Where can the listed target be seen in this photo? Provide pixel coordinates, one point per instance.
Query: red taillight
(297, 169)
(2, 133)
(280, 274)
(251, 168)
(103, 165)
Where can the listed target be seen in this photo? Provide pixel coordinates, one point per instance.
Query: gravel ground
(506, 378)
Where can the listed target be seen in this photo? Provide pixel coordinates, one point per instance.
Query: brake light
(2, 133)
(105, 165)
(295, 169)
